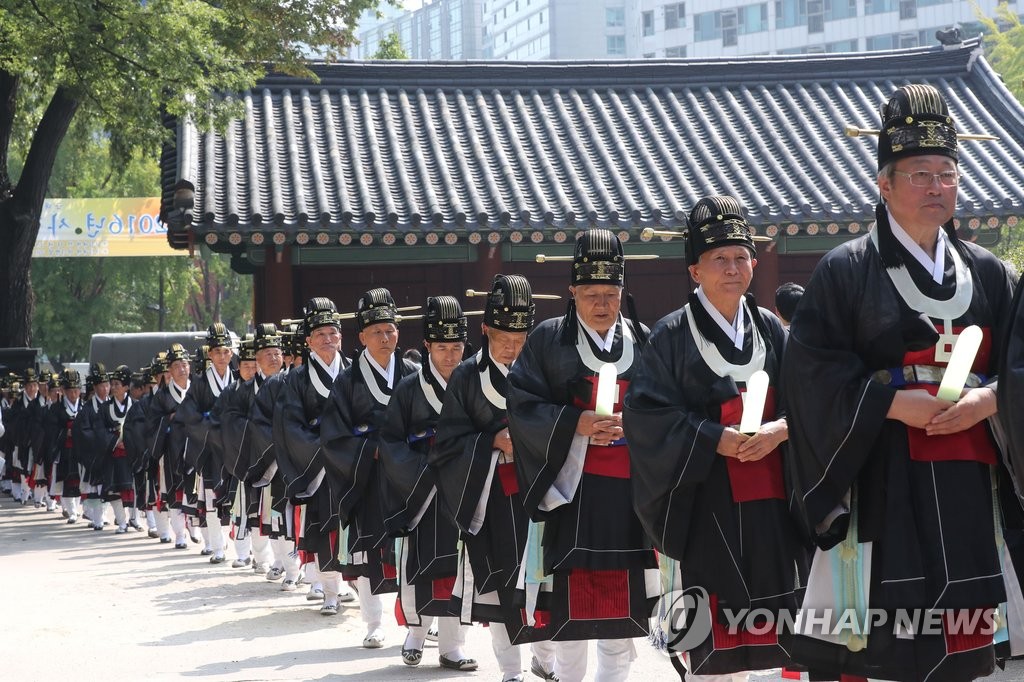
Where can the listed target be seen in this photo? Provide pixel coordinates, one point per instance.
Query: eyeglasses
(950, 178)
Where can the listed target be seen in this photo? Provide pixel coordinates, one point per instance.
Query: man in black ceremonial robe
(168, 444)
(573, 465)
(904, 493)
(90, 452)
(138, 442)
(23, 421)
(58, 445)
(351, 436)
(711, 498)
(474, 460)
(103, 436)
(297, 411)
(202, 455)
(428, 558)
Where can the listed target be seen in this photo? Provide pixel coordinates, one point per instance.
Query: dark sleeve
(296, 438)
(230, 429)
(403, 459)
(134, 435)
(349, 457)
(1011, 389)
(835, 411)
(672, 445)
(542, 429)
(262, 452)
(462, 453)
(193, 419)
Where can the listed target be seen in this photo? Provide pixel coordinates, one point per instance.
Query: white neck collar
(937, 266)
(734, 329)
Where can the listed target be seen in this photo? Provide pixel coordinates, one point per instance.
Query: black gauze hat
(374, 307)
(247, 349)
(915, 121)
(717, 221)
(71, 379)
(174, 353)
(444, 321)
(598, 259)
(123, 373)
(510, 305)
(320, 312)
(217, 336)
(266, 336)
(97, 373)
(30, 376)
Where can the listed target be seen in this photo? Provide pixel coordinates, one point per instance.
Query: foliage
(77, 297)
(390, 48)
(1004, 49)
(115, 69)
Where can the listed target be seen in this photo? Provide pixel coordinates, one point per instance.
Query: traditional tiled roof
(388, 152)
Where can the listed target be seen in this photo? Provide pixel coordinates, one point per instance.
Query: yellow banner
(102, 227)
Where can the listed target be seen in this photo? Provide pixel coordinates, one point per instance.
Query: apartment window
(879, 42)
(730, 35)
(707, 26)
(616, 46)
(790, 13)
(615, 17)
(840, 9)
(842, 46)
(751, 19)
(677, 51)
(648, 55)
(879, 6)
(675, 15)
(908, 9)
(926, 3)
(815, 16)
(647, 18)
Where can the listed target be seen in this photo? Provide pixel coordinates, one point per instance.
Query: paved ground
(100, 606)
(125, 607)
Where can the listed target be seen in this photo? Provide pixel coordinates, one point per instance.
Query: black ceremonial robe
(915, 512)
(23, 422)
(482, 495)
(350, 434)
(101, 436)
(90, 442)
(230, 439)
(167, 445)
(58, 446)
(303, 394)
(262, 471)
(428, 560)
(195, 416)
(593, 543)
(137, 443)
(723, 525)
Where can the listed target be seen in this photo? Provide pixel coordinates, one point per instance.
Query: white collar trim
(937, 266)
(734, 329)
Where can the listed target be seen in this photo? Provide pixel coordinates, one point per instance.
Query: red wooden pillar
(766, 276)
(275, 289)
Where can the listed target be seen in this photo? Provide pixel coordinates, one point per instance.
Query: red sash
(507, 477)
(974, 444)
(760, 480)
(605, 460)
(119, 450)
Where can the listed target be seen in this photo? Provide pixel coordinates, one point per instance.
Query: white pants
(177, 518)
(283, 557)
(614, 657)
(70, 504)
(370, 607)
(120, 518)
(214, 532)
(257, 544)
(451, 636)
(509, 656)
(728, 677)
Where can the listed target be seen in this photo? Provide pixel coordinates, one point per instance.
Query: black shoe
(216, 559)
(537, 669)
(412, 656)
(465, 664)
(180, 545)
(206, 552)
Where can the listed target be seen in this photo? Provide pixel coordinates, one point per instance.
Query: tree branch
(8, 107)
(49, 134)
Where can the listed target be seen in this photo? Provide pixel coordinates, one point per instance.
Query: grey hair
(887, 171)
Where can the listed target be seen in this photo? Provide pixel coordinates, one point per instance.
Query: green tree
(122, 65)
(390, 48)
(1004, 49)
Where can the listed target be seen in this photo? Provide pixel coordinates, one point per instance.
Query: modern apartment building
(530, 30)
(712, 28)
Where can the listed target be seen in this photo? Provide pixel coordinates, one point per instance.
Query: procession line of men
(513, 486)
